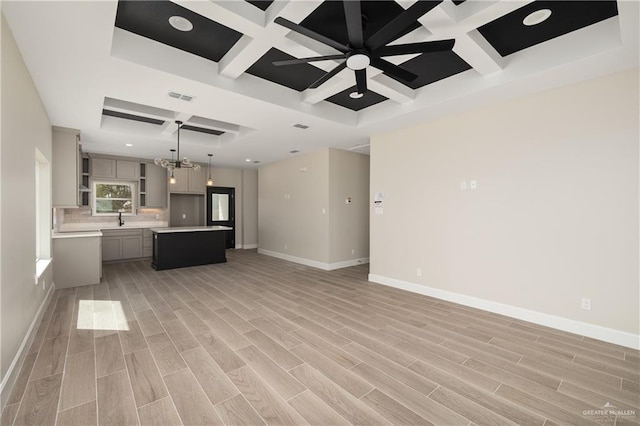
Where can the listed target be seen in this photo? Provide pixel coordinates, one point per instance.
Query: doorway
(221, 210)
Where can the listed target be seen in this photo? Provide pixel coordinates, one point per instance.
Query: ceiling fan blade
(311, 34)
(400, 23)
(307, 60)
(361, 80)
(393, 70)
(353, 16)
(328, 76)
(424, 47)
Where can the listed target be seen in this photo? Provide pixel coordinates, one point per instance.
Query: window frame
(134, 196)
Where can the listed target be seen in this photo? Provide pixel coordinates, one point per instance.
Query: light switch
(473, 184)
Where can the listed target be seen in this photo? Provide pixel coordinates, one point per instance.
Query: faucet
(120, 221)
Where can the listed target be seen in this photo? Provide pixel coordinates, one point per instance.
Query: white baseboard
(314, 263)
(12, 373)
(250, 246)
(617, 337)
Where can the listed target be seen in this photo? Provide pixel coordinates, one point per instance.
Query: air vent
(132, 117)
(294, 151)
(176, 95)
(301, 126)
(256, 162)
(202, 130)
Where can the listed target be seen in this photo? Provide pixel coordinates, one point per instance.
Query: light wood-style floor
(262, 341)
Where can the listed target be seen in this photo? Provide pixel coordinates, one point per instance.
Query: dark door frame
(231, 235)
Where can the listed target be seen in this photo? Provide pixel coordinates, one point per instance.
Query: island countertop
(189, 229)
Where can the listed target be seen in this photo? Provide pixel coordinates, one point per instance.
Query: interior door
(221, 210)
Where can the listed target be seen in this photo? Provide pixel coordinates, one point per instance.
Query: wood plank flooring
(260, 341)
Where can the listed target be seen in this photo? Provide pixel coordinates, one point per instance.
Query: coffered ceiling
(122, 74)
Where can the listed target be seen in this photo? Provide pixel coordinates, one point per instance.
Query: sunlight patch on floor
(101, 315)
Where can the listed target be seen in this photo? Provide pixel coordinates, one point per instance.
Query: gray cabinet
(65, 169)
(189, 181)
(76, 260)
(119, 244)
(147, 243)
(110, 168)
(153, 186)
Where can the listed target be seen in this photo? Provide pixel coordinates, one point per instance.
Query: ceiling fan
(360, 53)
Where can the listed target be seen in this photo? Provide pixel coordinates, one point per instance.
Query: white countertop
(190, 229)
(80, 234)
(97, 226)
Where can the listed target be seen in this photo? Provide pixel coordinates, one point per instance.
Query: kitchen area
(110, 209)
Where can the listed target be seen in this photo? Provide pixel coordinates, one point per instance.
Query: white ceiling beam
(477, 52)
(241, 56)
(390, 88)
(339, 82)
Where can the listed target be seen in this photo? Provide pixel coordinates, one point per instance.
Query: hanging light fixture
(210, 181)
(177, 164)
(172, 178)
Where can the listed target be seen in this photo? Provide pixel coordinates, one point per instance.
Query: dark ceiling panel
(132, 117)
(150, 19)
(508, 34)
(328, 19)
(260, 4)
(297, 77)
(344, 100)
(458, 2)
(202, 130)
(431, 67)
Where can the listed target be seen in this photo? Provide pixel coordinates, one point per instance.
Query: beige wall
(295, 226)
(554, 218)
(25, 127)
(348, 223)
(250, 208)
(302, 215)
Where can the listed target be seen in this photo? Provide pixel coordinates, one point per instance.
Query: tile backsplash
(68, 216)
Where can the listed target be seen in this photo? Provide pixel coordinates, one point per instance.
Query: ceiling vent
(176, 95)
(301, 126)
(294, 151)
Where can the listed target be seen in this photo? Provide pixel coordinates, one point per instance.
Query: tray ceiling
(225, 66)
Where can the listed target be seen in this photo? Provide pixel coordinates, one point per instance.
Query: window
(111, 198)
(42, 213)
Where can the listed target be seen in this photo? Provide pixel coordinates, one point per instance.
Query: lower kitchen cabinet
(76, 259)
(119, 244)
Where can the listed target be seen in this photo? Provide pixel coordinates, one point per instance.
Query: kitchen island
(178, 247)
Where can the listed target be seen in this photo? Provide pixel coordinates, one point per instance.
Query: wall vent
(294, 151)
(301, 126)
(176, 95)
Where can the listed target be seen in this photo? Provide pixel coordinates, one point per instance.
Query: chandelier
(172, 164)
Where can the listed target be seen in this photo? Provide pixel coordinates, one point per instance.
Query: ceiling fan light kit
(359, 53)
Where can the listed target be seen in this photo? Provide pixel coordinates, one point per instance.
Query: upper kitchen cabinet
(65, 167)
(110, 168)
(153, 185)
(189, 181)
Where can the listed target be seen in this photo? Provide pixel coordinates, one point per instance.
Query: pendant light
(178, 163)
(210, 181)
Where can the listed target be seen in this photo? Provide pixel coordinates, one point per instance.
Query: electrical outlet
(184, 216)
(586, 304)
(286, 247)
(157, 216)
(44, 284)
(473, 184)
(353, 251)
(463, 185)
(418, 272)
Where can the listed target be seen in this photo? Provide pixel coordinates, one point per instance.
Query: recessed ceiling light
(248, 160)
(356, 95)
(128, 144)
(180, 23)
(537, 17)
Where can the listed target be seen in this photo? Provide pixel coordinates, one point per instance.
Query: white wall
(554, 218)
(302, 215)
(25, 127)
